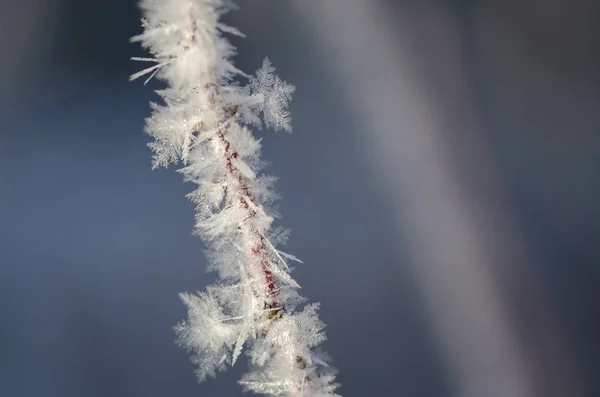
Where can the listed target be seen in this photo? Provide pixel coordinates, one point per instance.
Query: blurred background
(441, 185)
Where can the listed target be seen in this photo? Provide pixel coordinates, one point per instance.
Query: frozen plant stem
(203, 123)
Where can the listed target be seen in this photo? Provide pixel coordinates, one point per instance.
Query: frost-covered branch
(203, 124)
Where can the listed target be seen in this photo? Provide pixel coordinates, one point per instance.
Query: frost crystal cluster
(203, 123)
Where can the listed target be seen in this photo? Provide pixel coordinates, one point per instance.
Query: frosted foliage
(202, 123)
(275, 95)
(215, 338)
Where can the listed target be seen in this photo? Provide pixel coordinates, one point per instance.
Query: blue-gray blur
(94, 246)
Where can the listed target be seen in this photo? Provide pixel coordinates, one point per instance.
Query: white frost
(203, 122)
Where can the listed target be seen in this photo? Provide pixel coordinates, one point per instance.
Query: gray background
(94, 246)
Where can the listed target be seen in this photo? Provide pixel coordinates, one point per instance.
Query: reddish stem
(271, 299)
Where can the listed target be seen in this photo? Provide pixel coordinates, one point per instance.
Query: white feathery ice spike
(204, 123)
